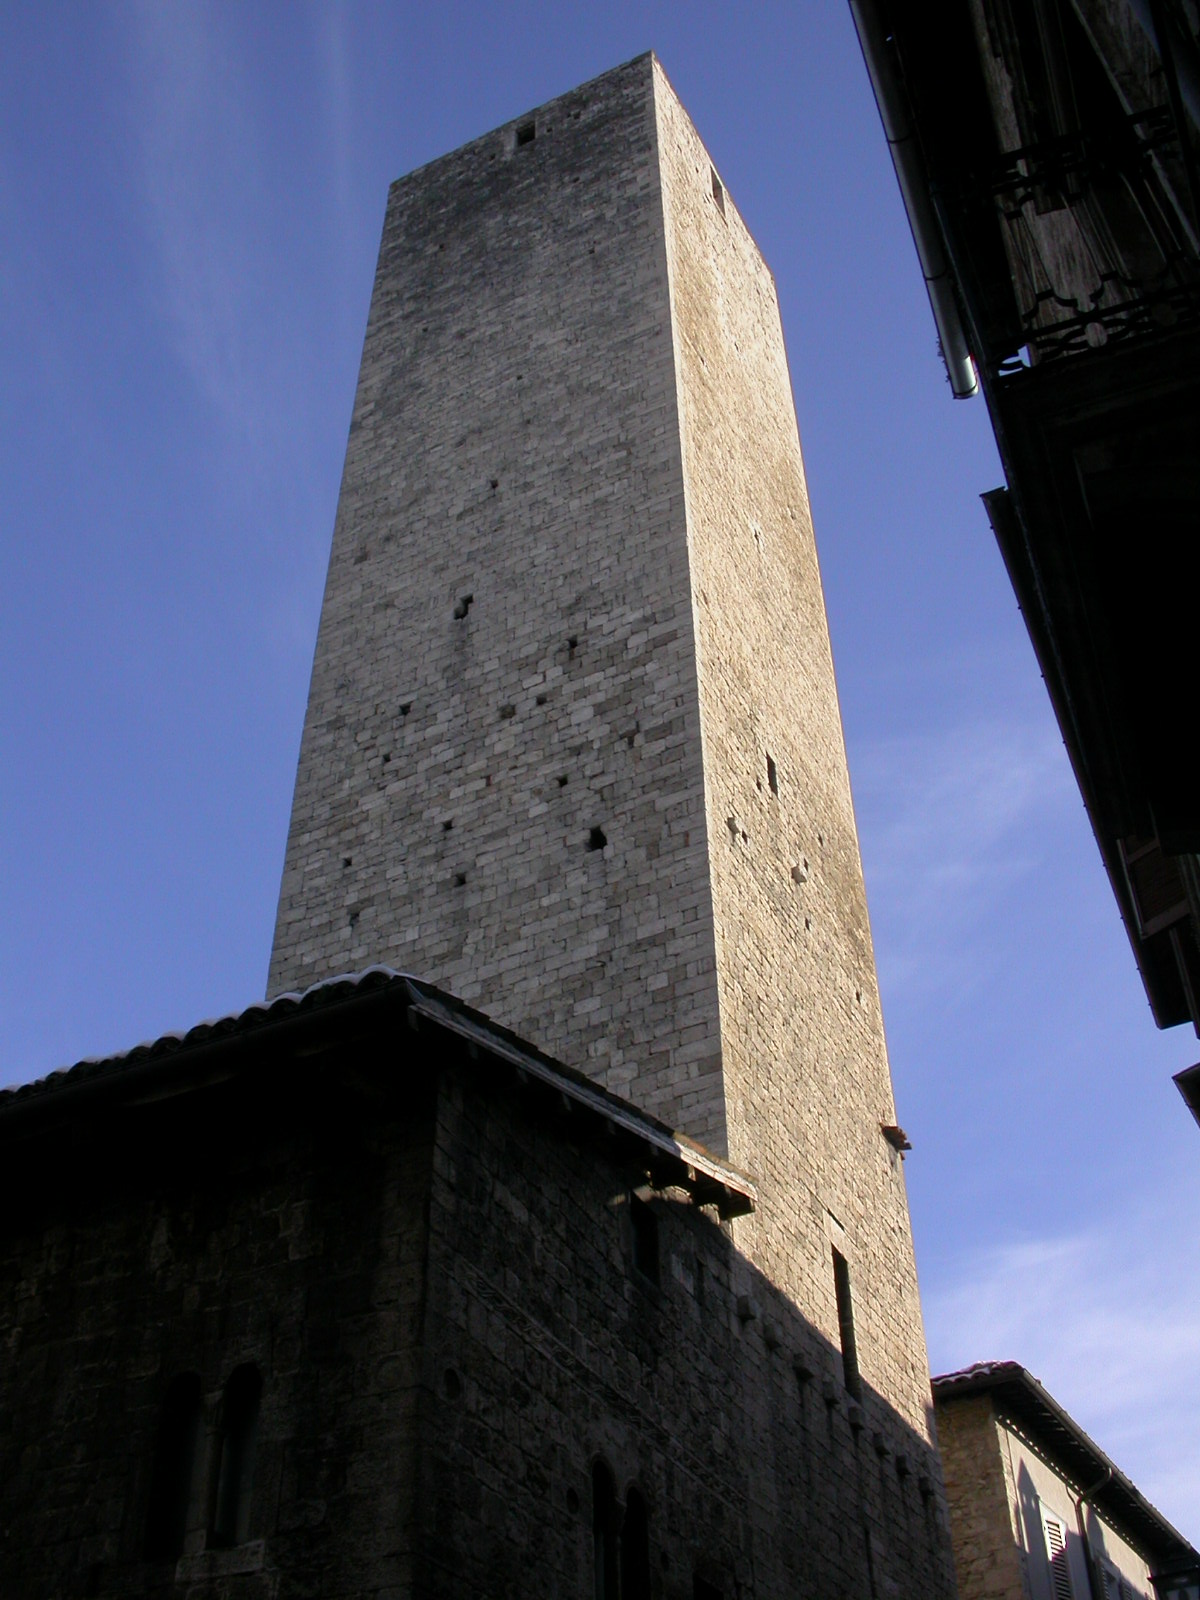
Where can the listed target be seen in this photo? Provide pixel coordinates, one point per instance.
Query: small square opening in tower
(526, 133)
(718, 191)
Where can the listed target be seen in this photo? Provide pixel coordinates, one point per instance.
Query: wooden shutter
(1056, 1549)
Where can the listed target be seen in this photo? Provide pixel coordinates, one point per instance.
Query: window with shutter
(1056, 1550)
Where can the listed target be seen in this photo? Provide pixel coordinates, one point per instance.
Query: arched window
(174, 1463)
(604, 1532)
(235, 1469)
(635, 1549)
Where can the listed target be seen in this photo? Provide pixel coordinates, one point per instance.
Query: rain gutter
(914, 189)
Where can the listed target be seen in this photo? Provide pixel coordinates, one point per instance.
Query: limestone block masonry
(573, 749)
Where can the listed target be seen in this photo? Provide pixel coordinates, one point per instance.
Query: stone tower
(573, 749)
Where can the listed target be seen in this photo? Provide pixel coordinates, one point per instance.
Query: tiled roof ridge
(250, 1017)
(102, 1075)
(982, 1369)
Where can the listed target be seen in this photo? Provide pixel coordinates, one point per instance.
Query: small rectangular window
(845, 1313)
(772, 776)
(718, 192)
(526, 133)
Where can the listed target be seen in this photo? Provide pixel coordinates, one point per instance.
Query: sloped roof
(1021, 1400)
(220, 1049)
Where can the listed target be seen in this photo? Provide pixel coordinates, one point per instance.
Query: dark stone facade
(464, 1278)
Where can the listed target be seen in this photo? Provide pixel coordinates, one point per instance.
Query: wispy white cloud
(196, 154)
(1114, 1339)
(336, 88)
(950, 822)
(245, 203)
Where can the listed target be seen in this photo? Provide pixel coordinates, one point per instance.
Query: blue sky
(190, 205)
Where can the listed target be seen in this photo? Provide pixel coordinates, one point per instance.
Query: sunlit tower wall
(573, 749)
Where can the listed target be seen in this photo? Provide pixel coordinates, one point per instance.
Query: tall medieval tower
(573, 750)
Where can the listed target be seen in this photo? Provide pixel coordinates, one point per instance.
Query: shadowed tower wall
(573, 749)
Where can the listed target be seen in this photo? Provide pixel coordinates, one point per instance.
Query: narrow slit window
(235, 1471)
(772, 776)
(845, 1312)
(718, 191)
